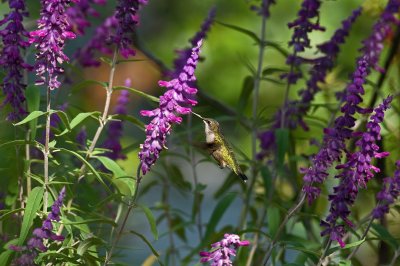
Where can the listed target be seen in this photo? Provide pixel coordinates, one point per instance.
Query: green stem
(46, 152)
(256, 89)
(131, 205)
(323, 256)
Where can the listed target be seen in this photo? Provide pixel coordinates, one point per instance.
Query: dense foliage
(301, 168)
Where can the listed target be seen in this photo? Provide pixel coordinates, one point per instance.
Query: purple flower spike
(100, 42)
(223, 250)
(296, 110)
(79, 13)
(355, 174)
(36, 243)
(184, 54)
(177, 100)
(50, 38)
(113, 141)
(334, 138)
(14, 37)
(388, 195)
(302, 26)
(126, 14)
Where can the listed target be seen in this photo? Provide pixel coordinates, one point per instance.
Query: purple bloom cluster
(263, 10)
(184, 54)
(36, 244)
(389, 193)
(78, 14)
(355, 174)
(126, 14)
(11, 60)
(175, 101)
(113, 141)
(335, 137)
(100, 42)
(295, 110)
(303, 25)
(50, 38)
(223, 250)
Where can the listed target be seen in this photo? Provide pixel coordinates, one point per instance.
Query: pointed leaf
(30, 117)
(131, 119)
(77, 120)
(33, 204)
(112, 166)
(151, 219)
(138, 92)
(247, 88)
(148, 244)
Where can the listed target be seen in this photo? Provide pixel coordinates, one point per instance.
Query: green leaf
(8, 213)
(112, 166)
(83, 160)
(32, 95)
(33, 204)
(33, 115)
(88, 221)
(63, 116)
(87, 83)
(384, 235)
(126, 185)
(131, 119)
(345, 263)
(151, 219)
(138, 92)
(23, 142)
(247, 32)
(130, 60)
(350, 245)
(271, 70)
(273, 217)
(282, 142)
(247, 88)
(148, 244)
(77, 120)
(217, 214)
(88, 243)
(5, 256)
(267, 180)
(106, 60)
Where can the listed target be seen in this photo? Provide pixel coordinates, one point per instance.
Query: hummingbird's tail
(243, 177)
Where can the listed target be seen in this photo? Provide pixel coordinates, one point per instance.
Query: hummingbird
(219, 148)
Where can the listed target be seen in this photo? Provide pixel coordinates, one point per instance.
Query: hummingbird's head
(211, 128)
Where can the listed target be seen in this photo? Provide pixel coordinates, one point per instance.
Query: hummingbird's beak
(199, 116)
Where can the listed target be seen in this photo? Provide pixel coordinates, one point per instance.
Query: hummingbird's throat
(210, 136)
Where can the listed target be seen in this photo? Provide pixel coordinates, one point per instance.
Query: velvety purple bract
(49, 39)
(14, 39)
(223, 250)
(177, 100)
(354, 174)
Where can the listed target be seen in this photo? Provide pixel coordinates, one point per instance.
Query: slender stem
(256, 89)
(28, 164)
(131, 205)
(290, 213)
(46, 152)
(362, 237)
(286, 98)
(104, 118)
(197, 195)
(395, 257)
(256, 239)
(165, 199)
(321, 259)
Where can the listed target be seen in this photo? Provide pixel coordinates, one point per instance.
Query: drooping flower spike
(14, 38)
(354, 175)
(177, 100)
(53, 30)
(334, 138)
